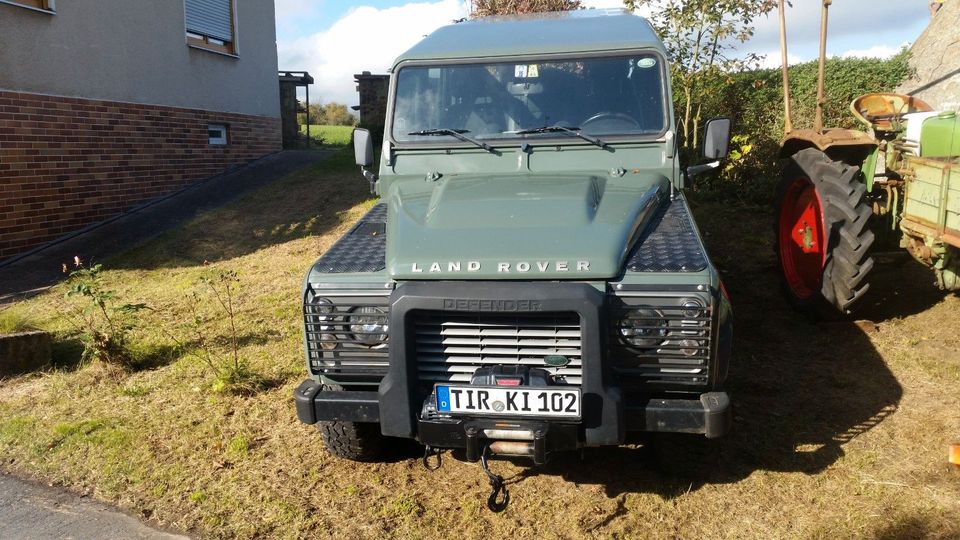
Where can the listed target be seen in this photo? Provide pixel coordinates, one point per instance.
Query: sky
(334, 39)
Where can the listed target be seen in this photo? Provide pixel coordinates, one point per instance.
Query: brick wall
(68, 162)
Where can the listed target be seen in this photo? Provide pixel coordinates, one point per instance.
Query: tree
(316, 115)
(484, 8)
(700, 36)
(330, 114)
(337, 114)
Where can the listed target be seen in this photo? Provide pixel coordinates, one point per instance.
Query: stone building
(373, 90)
(936, 60)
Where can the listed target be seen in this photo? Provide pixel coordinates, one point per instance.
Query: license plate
(514, 401)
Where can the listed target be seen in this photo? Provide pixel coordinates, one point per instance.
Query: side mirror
(363, 147)
(363, 154)
(716, 139)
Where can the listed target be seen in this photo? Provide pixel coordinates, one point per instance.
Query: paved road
(30, 511)
(39, 270)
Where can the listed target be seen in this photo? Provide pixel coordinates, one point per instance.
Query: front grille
(336, 350)
(675, 353)
(451, 346)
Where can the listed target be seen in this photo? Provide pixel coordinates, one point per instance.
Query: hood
(518, 226)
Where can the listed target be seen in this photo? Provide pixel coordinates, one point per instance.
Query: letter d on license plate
(512, 401)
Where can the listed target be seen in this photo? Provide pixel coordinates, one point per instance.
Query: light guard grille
(681, 359)
(333, 349)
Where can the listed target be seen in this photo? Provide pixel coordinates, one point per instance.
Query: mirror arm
(371, 177)
(695, 170)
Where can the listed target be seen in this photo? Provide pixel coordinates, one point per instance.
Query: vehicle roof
(586, 30)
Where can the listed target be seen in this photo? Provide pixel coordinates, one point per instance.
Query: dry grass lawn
(839, 432)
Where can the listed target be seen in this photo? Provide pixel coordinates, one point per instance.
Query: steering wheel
(606, 115)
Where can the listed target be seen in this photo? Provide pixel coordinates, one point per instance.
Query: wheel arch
(846, 145)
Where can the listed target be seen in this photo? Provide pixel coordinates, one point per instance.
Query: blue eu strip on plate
(443, 398)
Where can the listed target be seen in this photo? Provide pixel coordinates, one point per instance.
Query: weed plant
(102, 321)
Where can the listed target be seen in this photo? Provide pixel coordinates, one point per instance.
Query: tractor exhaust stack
(821, 99)
(787, 120)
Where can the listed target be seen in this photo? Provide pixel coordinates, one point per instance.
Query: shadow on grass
(801, 391)
(309, 202)
(67, 355)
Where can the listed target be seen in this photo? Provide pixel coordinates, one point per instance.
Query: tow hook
(497, 486)
(431, 451)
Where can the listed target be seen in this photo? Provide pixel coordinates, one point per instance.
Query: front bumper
(708, 415)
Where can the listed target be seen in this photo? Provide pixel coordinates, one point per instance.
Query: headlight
(643, 327)
(368, 325)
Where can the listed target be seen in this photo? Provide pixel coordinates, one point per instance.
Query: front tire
(356, 441)
(822, 234)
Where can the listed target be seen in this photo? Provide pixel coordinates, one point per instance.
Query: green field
(840, 430)
(329, 135)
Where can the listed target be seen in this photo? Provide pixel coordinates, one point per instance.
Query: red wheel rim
(802, 249)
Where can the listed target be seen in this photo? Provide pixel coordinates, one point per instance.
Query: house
(105, 105)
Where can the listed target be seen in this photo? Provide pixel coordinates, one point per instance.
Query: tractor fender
(846, 145)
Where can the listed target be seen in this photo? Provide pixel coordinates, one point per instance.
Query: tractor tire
(822, 234)
(356, 441)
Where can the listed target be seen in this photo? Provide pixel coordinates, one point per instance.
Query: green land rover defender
(531, 279)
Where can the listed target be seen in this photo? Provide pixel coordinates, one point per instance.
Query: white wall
(135, 51)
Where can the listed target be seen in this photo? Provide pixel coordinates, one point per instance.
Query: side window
(646, 85)
(211, 24)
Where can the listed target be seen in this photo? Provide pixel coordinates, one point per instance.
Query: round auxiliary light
(691, 347)
(368, 325)
(643, 327)
(328, 342)
(323, 308)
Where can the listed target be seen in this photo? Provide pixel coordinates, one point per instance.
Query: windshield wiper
(575, 131)
(457, 133)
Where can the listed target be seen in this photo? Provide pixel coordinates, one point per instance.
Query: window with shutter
(43, 5)
(211, 24)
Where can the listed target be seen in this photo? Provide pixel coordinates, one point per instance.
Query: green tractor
(843, 188)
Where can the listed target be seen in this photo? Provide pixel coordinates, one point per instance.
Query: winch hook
(494, 502)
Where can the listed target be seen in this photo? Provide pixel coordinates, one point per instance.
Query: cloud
(877, 51)
(772, 59)
(364, 39)
(369, 39)
(849, 23)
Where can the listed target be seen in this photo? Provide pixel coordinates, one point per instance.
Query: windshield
(621, 95)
